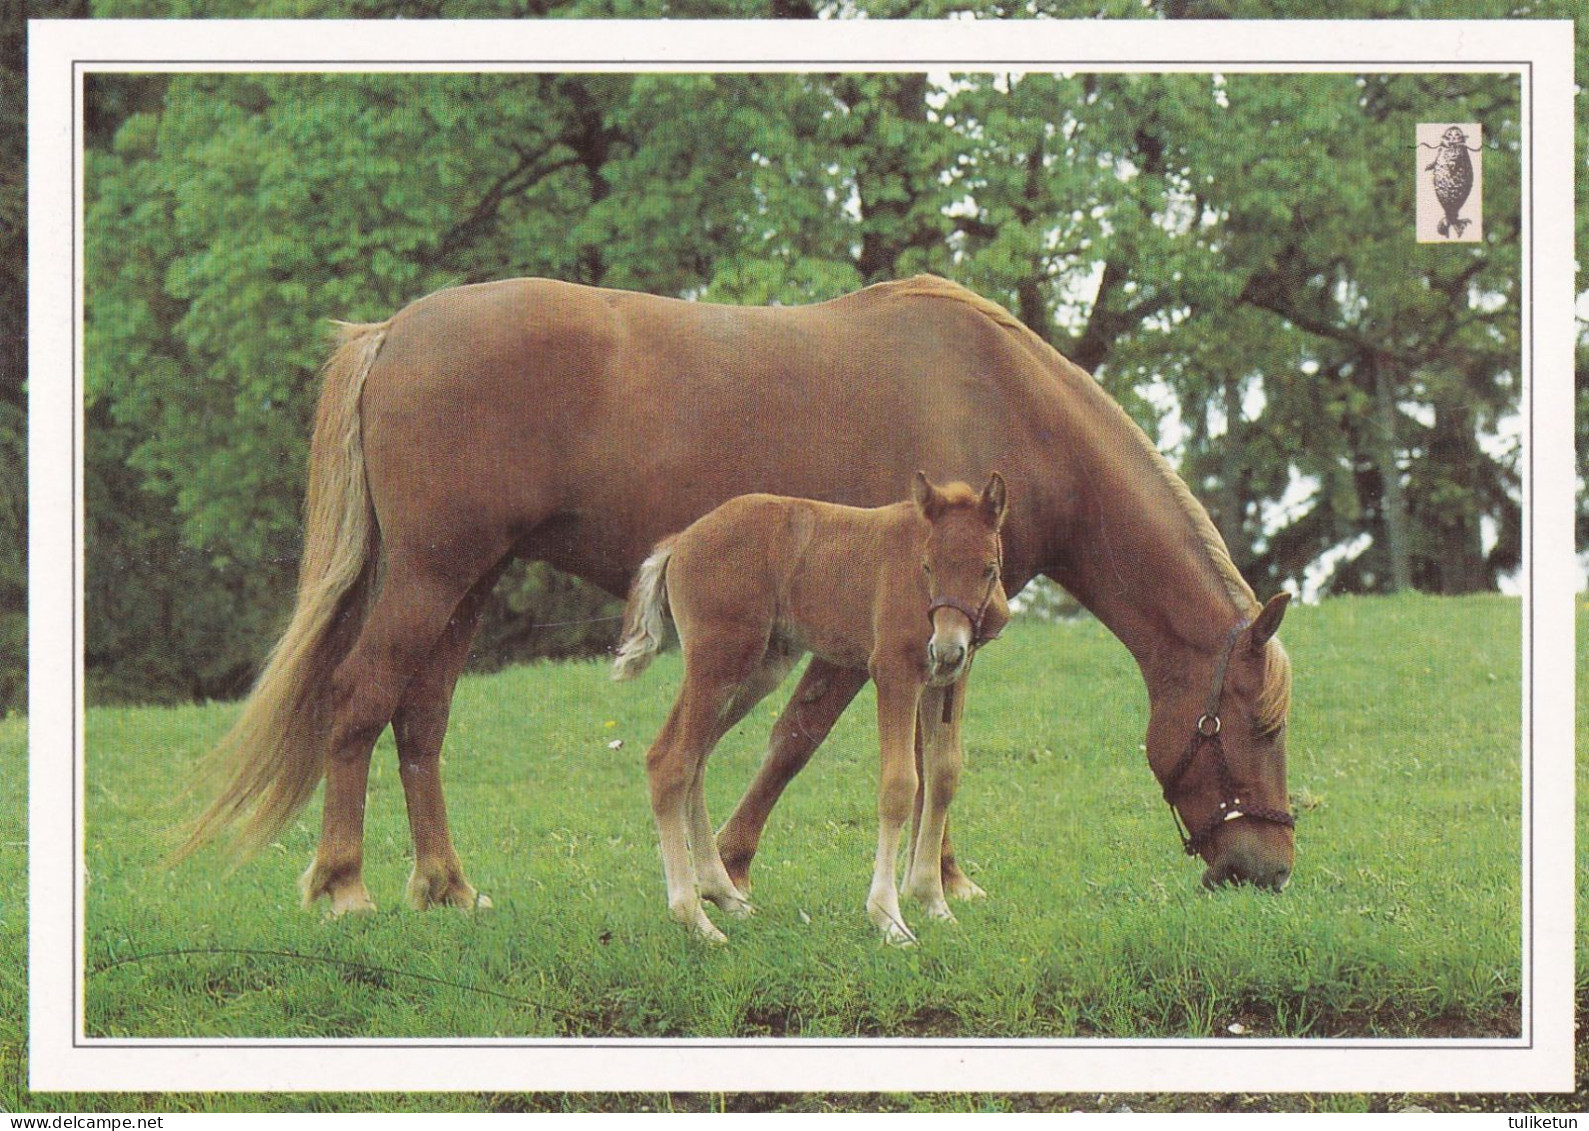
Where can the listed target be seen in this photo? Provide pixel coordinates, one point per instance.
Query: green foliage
(1229, 252)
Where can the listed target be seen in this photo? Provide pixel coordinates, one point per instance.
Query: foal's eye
(989, 570)
(926, 568)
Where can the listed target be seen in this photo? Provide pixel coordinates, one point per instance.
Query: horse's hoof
(708, 933)
(962, 887)
(733, 901)
(443, 888)
(899, 935)
(464, 898)
(351, 903)
(349, 895)
(692, 917)
(895, 933)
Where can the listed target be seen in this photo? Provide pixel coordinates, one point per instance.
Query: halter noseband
(1205, 732)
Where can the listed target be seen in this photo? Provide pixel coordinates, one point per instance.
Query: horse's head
(1216, 741)
(961, 564)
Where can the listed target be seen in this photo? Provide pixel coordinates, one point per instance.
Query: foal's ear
(928, 499)
(995, 497)
(1268, 622)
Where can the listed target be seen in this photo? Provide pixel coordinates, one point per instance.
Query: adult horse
(578, 426)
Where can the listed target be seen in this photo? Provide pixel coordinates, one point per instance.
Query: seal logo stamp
(1450, 187)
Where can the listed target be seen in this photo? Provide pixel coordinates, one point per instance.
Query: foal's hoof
(733, 902)
(939, 912)
(693, 919)
(960, 886)
(895, 933)
(738, 908)
(705, 930)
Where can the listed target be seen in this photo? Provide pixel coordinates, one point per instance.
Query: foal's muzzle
(949, 646)
(945, 660)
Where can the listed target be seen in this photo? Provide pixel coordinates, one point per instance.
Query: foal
(906, 592)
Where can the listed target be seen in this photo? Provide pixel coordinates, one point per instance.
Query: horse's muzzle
(1218, 875)
(1258, 858)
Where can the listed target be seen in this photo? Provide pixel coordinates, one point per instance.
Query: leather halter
(978, 614)
(975, 616)
(1205, 732)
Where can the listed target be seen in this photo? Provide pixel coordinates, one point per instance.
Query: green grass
(1402, 918)
(1096, 926)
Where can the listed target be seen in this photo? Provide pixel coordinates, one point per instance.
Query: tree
(1228, 254)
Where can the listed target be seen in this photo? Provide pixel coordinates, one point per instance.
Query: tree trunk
(1393, 504)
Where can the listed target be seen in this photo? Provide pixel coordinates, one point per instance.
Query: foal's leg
(818, 700)
(956, 884)
(420, 726)
(402, 626)
(897, 700)
(941, 761)
(712, 877)
(714, 670)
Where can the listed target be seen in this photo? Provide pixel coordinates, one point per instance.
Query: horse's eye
(926, 567)
(989, 570)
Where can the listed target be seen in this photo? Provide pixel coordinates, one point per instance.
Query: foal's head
(961, 564)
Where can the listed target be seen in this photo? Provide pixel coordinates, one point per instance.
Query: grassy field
(1404, 734)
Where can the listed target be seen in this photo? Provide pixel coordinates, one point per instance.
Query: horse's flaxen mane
(1274, 699)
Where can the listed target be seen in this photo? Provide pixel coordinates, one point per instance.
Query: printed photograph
(1061, 535)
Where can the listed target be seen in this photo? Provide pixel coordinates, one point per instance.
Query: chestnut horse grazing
(579, 426)
(904, 593)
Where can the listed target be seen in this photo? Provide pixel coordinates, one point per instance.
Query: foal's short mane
(1274, 699)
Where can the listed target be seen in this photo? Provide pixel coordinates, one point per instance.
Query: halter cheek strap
(978, 614)
(975, 616)
(1205, 732)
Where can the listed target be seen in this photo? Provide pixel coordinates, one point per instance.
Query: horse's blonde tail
(645, 624)
(268, 765)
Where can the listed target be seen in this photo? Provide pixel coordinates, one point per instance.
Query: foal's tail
(269, 764)
(645, 623)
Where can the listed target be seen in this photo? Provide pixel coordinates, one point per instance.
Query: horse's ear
(928, 499)
(1268, 622)
(995, 497)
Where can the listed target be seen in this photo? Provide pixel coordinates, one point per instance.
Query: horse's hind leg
(818, 700)
(421, 726)
(403, 625)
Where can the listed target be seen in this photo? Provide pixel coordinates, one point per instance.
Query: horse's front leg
(941, 761)
(897, 699)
